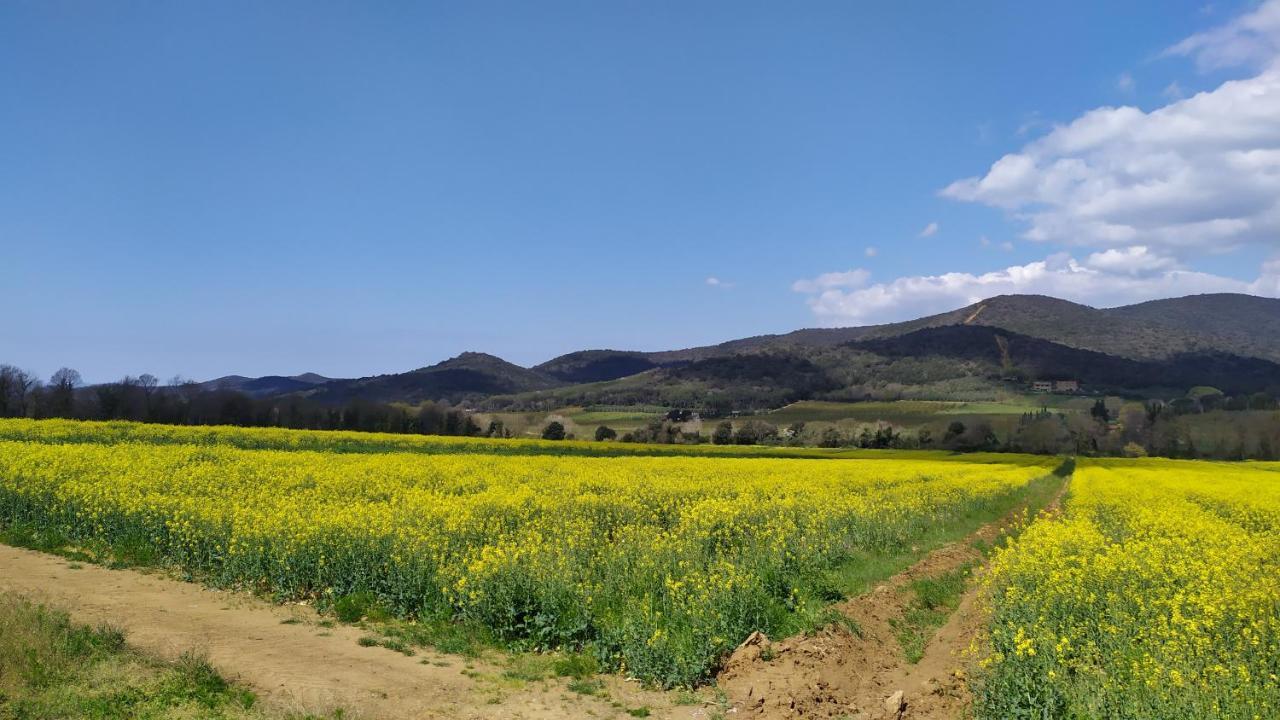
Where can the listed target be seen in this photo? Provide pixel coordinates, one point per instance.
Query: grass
(529, 667)
(576, 665)
(586, 687)
(861, 570)
(913, 413)
(53, 668)
(935, 599)
(447, 636)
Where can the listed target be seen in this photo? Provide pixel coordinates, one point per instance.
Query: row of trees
(181, 402)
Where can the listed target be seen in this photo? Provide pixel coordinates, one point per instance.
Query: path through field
(287, 657)
(839, 674)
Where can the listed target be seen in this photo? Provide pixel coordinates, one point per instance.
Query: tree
(954, 430)
(15, 389)
(62, 392)
(604, 432)
(496, 429)
(148, 383)
(723, 434)
(754, 432)
(1100, 411)
(831, 438)
(553, 431)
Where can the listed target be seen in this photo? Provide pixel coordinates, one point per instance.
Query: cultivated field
(1156, 595)
(661, 564)
(1150, 593)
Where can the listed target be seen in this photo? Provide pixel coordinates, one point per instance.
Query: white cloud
(714, 281)
(1136, 260)
(1173, 91)
(833, 281)
(929, 230)
(1199, 174)
(1006, 246)
(1114, 277)
(1252, 39)
(1125, 83)
(871, 252)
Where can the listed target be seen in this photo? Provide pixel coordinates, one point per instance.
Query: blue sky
(355, 188)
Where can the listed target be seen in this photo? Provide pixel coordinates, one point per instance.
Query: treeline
(181, 402)
(1217, 428)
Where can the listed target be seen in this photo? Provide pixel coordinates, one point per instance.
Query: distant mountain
(585, 366)
(1012, 353)
(1227, 341)
(1243, 325)
(468, 376)
(267, 385)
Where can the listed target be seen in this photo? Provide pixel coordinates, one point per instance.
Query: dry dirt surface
(292, 662)
(838, 674)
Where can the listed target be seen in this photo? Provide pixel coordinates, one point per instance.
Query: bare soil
(838, 674)
(285, 655)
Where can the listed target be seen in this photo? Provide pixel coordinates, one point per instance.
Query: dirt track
(836, 674)
(299, 666)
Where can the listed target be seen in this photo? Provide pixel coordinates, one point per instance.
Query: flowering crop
(1156, 596)
(660, 564)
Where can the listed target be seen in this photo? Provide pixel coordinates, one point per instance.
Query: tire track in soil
(836, 674)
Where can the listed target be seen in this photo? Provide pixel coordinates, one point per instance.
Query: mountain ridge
(1173, 335)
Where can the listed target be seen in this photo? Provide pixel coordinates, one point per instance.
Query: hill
(466, 377)
(1243, 325)
(1227, 341)
(1008, 353)
(268, 385)
(587, 366)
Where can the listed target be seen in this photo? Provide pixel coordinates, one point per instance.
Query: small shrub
(353, 608)
(577, 665)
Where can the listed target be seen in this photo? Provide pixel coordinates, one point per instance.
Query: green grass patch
(468, 639)
(586, 687)
(529, 667)
(52, 668)
(934, 600)
(576, 665)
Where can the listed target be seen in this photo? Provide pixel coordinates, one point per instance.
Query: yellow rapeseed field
(657, 564)
(1157, 595)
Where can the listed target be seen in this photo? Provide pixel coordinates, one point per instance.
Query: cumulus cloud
(1251, 39)
(1103, 279)
(1136, 260)
(929, 230)
(1199, 174)
(833, 281)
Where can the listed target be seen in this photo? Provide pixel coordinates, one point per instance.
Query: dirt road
(288, 658)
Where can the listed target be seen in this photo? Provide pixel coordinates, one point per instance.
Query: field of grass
(1154, 596)
(912, 413)
(655, 565)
